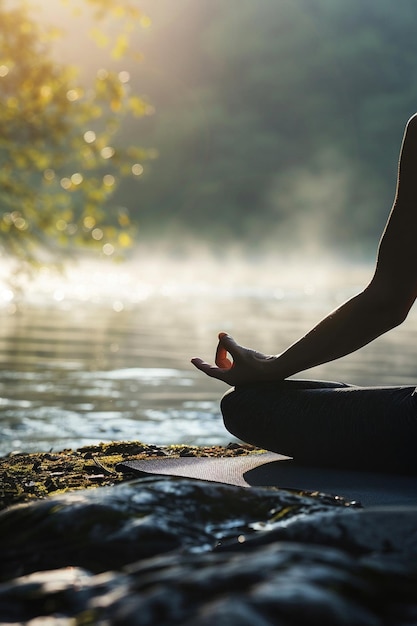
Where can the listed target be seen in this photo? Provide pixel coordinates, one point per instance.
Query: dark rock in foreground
(176, 551)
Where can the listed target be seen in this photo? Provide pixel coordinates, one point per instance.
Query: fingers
(221, 370)
(203, 366)
(211, 370)
(222, 360)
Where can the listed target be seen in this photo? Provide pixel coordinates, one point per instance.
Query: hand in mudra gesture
(235, 364)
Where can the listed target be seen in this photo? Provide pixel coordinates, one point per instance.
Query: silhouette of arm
(381, 306)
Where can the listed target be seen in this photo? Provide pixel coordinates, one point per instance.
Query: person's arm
(383, 305)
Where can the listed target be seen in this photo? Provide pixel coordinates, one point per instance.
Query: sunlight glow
(124, 76)
(89, 222)
(107, 152)
(46, 92)
(61, 225)
(7, 295)
(59, 295)
(109, 180)
(49, 174)
(118, 306)
(97, 234)
(72, 229)
(108, 249)
(89, 136)
(102, 74)
(137, 169)
(65, 183)
(77, 178)
(4, 70)
(73, 95)
(20, 223)
(194, 279)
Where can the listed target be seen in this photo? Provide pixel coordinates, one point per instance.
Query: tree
(60, 161)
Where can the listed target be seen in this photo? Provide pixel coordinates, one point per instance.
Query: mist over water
(103, 353)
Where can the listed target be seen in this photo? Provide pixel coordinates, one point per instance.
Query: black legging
(328, 424)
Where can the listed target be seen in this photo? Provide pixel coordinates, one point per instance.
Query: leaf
(121, 46)
(99, 37)
(137, 106)
(51, 179)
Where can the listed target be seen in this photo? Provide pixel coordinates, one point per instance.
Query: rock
(280, 584)
(380, 530)
(107, 528)
(169, 551)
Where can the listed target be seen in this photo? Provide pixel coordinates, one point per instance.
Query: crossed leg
(328, 424)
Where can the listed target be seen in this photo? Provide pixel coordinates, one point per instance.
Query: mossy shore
(30, 476)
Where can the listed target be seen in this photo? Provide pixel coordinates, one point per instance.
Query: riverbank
(25, 477)
(169, 551)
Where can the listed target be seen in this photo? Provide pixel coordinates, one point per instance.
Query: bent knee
(238, 407)
(234, 409)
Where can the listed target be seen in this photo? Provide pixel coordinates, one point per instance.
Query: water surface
(105, 355)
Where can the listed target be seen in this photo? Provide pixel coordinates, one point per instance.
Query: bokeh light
(107, 152)
(89, 222)
(109, 180)
(124, 76)
(65, 183)
(49, 174)
(77, 178)
(108, 249)
(137, 169)
(89, 136)
(73, 95)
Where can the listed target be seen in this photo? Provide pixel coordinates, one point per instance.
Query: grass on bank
(31, 476)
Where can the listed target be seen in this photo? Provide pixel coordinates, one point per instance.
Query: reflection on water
(71, 378)
(110, 360)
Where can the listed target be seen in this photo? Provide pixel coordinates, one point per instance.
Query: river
(104, 353)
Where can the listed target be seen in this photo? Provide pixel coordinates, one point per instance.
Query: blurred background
(173, 169)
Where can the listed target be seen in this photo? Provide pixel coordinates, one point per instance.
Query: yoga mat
(275, 470)
(229, 470)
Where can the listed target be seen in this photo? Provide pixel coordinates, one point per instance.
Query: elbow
(391, 306)
(392, 315)
(398, 314)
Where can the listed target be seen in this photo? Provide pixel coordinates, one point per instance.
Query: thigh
(330, 425)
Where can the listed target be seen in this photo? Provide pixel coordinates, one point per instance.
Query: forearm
(351, 326)
(356, 323)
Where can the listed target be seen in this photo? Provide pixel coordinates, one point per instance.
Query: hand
(244, 366)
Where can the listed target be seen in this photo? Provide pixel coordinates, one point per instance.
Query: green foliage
(278, 122)
(60, 160)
